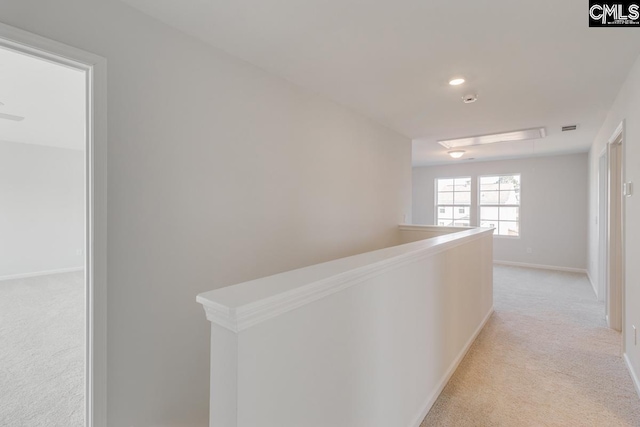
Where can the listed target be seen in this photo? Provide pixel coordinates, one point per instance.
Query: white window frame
(519, 205)
(453, 206)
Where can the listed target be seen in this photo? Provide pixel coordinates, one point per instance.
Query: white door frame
(603, 224)
(615, 233)
(95, 68)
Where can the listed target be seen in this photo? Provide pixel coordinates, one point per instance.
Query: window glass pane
(445, 212)
(488, 213)
(462, 213)
(508, 228)
(510, 182)
(463, 198)
(453, 200)
(489, 224)
(509, 197)
(459, 223)
(509, 213)
(447, 222)
(445, 198)
(489, 183)
(489, 197)
(445, 185)
(462, 184)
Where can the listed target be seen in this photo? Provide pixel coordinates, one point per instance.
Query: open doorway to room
(42, 248)
(611, 224)
(603, 222)
(52, 233)
(615, 274)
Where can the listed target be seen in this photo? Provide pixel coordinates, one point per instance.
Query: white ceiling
(532, 63)
(49, 96)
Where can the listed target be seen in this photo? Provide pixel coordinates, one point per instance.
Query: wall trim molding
(239, 318)
(593, 285)
(41, 273)
(634, 377)
(540, 266)
(449, 373)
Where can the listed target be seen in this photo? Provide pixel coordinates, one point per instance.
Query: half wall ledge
(368, 340)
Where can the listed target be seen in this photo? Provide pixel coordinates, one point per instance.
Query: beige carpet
(42, 351)
(545, 358)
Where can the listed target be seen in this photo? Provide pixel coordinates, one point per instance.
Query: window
(500, 204)
(453, 201)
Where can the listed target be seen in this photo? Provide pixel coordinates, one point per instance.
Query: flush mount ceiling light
(456, 154)
(516, 135)
(456, 81)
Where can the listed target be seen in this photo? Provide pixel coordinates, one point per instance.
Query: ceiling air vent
(568, 128)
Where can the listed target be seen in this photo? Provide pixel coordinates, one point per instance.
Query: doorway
(603, 205)
(53, 139)
(611, 229)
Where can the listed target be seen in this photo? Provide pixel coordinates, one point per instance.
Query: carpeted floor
(545, 358)
(42, 351)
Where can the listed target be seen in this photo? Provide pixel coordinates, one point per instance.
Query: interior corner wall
(553, 212)
(41, 209)
(218, 172)
(626, 107)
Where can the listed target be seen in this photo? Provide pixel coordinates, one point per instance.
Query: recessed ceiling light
(456, 82)
(456, 154)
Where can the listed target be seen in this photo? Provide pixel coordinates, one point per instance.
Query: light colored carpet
(42, 351)
(545, 358)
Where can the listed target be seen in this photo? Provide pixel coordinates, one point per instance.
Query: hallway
(545, 358)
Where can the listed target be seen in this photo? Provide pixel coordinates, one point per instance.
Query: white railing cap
(241, 306)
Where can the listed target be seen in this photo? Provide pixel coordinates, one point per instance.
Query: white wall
(553, 218)
(41, 209)
(218, 173)
(626, 107)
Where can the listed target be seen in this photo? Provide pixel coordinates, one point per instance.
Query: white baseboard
(634, 377)
(541, 267)
(593, 285)
(448, 374)
(41, 273)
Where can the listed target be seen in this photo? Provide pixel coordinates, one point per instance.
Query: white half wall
(365, 341)
(218, 173)
(553, 218)
(625, 108)
(41, 209)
